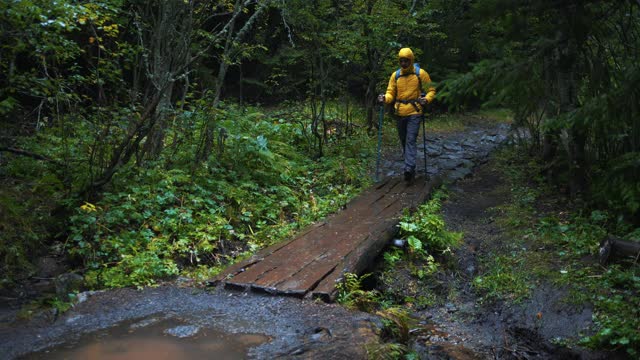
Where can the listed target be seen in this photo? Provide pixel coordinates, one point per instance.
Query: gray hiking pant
(408, 129)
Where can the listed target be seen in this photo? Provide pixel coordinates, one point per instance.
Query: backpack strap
(416, 66)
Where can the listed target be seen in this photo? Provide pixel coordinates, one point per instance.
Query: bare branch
(252, 19)
(30, 154)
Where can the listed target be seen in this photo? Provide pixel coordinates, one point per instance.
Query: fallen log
(613, 247)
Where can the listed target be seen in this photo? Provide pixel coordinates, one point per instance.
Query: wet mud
(462, 326)
(190, 320)
(155, 338)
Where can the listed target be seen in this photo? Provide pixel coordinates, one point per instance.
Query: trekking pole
(424, 146)
(379, 141)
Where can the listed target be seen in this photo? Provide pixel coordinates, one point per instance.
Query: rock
(469, 144)
(487, 138)
(399, 243)
(434, 150)
(44, 286)
(471, 270)
(451, 164)
(432, 169)
(74, 319)
(184, 281)
(449, 156)
(450, 307)
(452, 147)
(68, 283)
(183, 331)
(469, 155)
(144, 323)
(48, 267)
(85, 295)
(459, 173)
(321, 334)
(467, 163)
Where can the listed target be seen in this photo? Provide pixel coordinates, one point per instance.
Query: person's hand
(381, 98)
(422, 101)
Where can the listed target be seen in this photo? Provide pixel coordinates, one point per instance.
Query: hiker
(405, 93)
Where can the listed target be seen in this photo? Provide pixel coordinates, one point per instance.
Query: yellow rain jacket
(406, 87)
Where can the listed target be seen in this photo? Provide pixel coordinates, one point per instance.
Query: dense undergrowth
(556, 239)
(551, 239)
(175, 216)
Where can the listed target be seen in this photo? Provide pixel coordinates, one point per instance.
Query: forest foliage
(148, 138)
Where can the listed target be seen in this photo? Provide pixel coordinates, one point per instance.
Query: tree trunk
(373, 59)
(166, 39)
(568, 97)
(226, 59)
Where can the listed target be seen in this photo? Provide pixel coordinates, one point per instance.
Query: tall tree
(567, 69)
(230, 39)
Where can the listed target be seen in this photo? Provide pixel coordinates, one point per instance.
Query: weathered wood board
(316, 259)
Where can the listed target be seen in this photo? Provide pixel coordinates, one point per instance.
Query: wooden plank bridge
(315, 260)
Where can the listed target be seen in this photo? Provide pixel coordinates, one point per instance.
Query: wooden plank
(269, 271)
(241, 266)
(367, 197)
(312, 262)
(302, 275)
(307, 278)
(362, 256)
(296, 254)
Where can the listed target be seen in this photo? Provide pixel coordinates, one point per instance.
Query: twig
(30, 154)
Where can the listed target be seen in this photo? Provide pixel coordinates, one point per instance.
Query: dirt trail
(463, 327)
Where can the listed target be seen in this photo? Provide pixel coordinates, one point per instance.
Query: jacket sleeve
(389, 97)
(426, 82)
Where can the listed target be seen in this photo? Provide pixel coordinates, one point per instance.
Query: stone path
(452, 156)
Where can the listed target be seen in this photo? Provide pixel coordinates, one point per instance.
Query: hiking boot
(409, 176)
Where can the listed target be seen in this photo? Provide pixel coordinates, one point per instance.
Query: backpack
(416, 66)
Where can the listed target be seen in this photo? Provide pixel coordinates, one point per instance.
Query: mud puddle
(186, 322)
(155, 339)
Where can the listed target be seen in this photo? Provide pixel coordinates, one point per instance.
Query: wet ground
(526, 330)
(460, 325)
(155, 338)
(452, 155)
(190, 321)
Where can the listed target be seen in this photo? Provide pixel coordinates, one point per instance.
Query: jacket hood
(406, 53)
